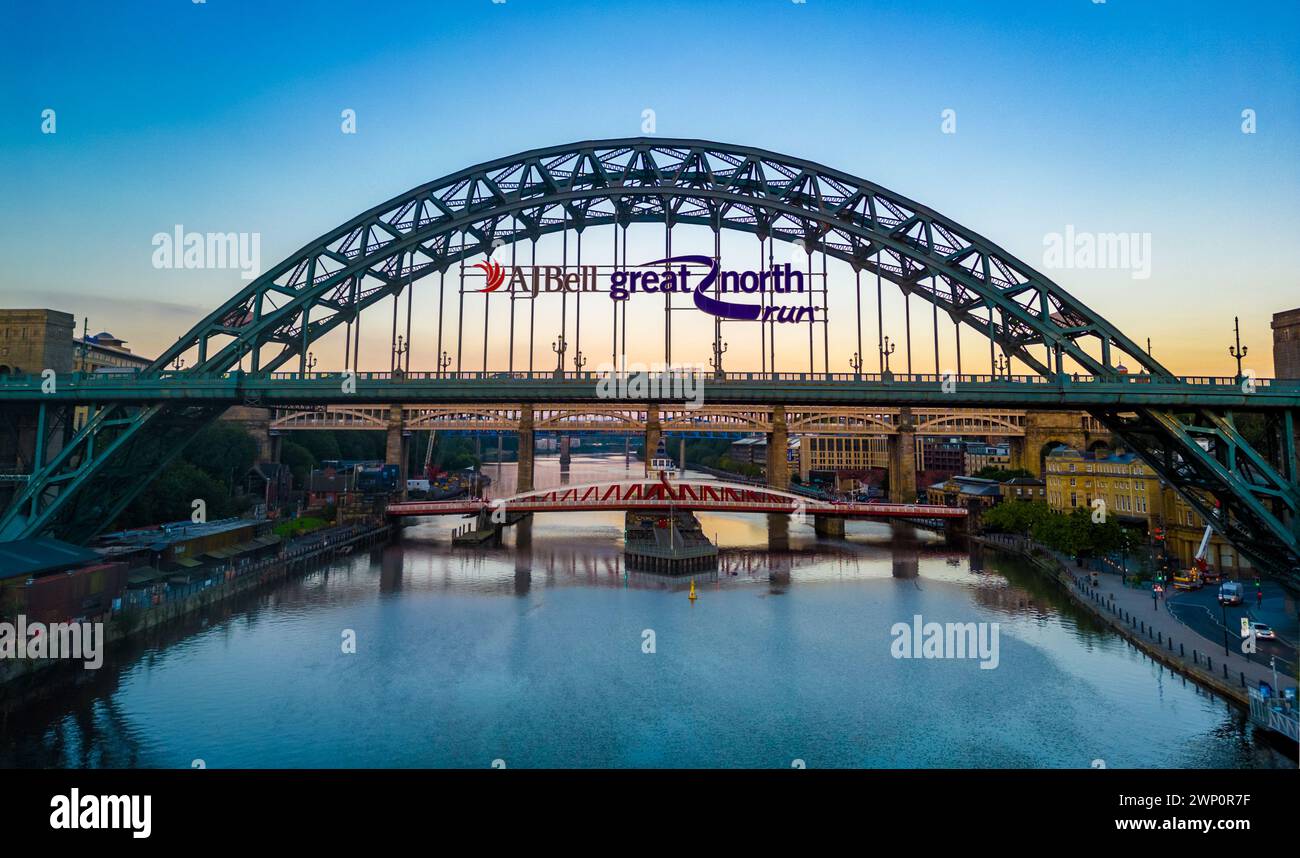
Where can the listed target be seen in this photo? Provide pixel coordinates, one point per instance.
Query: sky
(1070, 116)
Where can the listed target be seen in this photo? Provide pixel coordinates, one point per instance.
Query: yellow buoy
(692, 590)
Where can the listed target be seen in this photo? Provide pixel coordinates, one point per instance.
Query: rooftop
(24, 557)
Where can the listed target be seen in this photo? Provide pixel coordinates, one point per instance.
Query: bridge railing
(136, 378)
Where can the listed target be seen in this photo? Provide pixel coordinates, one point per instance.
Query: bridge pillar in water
(828, 525)
(653, 432)
(565, 457)
(778, 464)
(525, 477)
(902, 460)
(905, 550)
(778, 531)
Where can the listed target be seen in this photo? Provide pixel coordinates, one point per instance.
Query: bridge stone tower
(902, 459)
(257, 422)
(526, 441)
(653, 432)
(395, 444)
(1043, 428)
(778, 440)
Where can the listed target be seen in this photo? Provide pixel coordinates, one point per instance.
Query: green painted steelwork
(739, 388)
(137, 425)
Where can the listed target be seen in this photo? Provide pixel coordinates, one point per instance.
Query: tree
(224, 451)
(1014, 516)
(993, 472)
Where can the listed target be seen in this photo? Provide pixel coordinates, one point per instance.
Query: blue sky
(1122, 116)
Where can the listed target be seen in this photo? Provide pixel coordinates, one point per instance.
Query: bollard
(1243, 679)
(1209, 663)
(1182, 652)
(1196, 659)
(1225, 670)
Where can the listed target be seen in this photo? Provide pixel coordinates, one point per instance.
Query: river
(548, 654)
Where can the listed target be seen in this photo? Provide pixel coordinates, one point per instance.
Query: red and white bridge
(666, 495)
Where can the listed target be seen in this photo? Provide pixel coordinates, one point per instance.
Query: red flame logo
(496, 275)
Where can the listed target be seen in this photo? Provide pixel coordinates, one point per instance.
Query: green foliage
(298, 526)
(1015, 516)
(993, 472)
(299, 460)
(1070, 533)
(171, 496)
(225, 452)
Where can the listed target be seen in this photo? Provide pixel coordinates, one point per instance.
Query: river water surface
(535, 655)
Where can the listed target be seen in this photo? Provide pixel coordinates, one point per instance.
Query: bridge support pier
(524, 480)
(395, 446)
(902, 460)
(778, 465)
(778, 531)
(1043, 428)
(828, 525)
(565, 457)
(905, 550)
(653, 432)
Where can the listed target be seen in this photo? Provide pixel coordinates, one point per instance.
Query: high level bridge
(469, 242)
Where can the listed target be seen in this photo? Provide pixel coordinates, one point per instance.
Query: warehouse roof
(41, 555)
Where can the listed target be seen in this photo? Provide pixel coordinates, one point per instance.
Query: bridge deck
(844, 510)
(693, 495)
(751, 388)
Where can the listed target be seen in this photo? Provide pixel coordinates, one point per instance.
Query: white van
(1230, 593)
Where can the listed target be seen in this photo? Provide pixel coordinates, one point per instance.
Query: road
(1200, 611)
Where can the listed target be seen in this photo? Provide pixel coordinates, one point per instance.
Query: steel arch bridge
(1252, 495)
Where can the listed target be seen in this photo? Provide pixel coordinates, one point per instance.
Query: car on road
(1263, 631)
(1230, 593)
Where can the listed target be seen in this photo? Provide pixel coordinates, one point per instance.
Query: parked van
(1230, 593)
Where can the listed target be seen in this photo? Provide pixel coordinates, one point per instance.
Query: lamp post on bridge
(310, 365)
(719, 349)
(179, 363)
(579, 361)
(398, 350)
(885, 351)
(856, 363)
(559, 347)
(443, 363)
(1239, 351)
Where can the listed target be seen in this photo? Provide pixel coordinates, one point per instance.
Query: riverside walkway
(1150, 624)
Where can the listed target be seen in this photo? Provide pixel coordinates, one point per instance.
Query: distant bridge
(633, 417)
(664, 495)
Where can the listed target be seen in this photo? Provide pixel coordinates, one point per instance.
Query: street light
(1223, 609)
(1239, 351)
